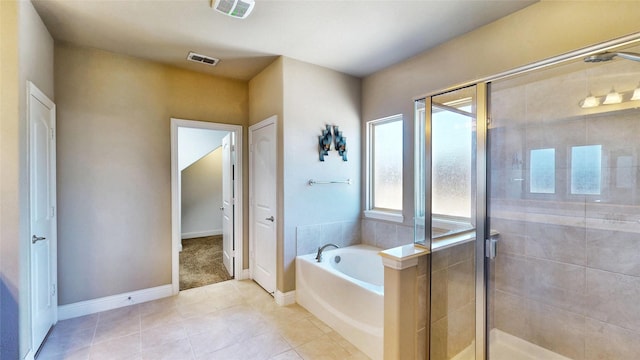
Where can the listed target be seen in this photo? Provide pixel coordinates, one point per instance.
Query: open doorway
(206, 173)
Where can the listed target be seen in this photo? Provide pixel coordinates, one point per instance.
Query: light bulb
(613, 97)
(636, 93)
(589, 102)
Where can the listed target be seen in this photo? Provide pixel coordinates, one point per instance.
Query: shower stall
(528, 196)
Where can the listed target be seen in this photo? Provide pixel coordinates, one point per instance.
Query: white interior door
(43, 214)
(227, 203)
(262, 195)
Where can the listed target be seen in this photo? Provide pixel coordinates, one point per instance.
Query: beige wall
(306, 97)
(202, 196)
(36, 65)
(114, 164)
(540, 31)
(26, 54)
(266, 96)
(9, 180)
(314, 97)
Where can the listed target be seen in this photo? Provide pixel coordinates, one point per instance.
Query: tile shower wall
(310, 237)
(453, 308)
(567, 274)
(385, 235)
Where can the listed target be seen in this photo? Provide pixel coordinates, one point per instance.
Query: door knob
(270, 218)
(35, 239)
(222, 208)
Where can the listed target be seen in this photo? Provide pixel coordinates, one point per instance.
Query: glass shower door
(564, 195)
(447, 213)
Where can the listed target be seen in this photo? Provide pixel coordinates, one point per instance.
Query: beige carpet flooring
(201, 262)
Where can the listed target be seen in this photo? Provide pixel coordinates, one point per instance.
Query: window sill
(384, 215)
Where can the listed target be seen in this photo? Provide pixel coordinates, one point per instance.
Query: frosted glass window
(542, 171)
(451, 167)
(586, 169)
(385, 162)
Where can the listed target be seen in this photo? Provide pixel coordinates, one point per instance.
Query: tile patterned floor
(228, 320)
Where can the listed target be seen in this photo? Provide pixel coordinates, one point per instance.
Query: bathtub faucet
(321, 249)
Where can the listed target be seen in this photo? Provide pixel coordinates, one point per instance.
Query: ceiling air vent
(235, 8)
(207, 60)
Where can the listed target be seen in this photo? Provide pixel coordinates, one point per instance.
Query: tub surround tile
(386, 235)
(310, 237)
(369, 232)
(405, 234)
(351, 233)
(331, 233)
(307, 238)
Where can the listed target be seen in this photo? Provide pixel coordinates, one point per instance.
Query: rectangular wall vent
(235, 8)
(203, 59)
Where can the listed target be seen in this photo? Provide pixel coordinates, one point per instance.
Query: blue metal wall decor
(340, 143)
(324, 142)
(327, 137)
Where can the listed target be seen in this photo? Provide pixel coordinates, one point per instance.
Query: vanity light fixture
(613, 97)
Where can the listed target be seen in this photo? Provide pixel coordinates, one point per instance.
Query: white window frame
(370, 212)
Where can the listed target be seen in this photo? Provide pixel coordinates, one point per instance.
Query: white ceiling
(357, 37)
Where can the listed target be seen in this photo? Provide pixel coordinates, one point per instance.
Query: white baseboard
(284, 299)
(82, 308)
(243, 274)
(197, 234)
(30, 355)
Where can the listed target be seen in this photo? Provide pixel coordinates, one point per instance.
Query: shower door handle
(491, 246)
